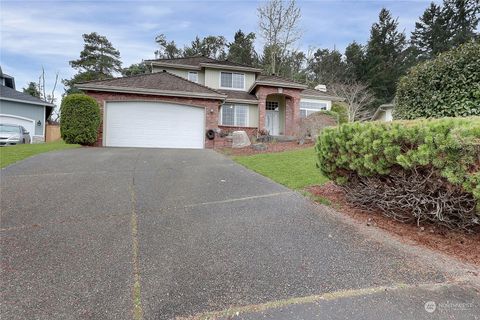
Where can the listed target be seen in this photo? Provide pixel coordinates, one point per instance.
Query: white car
(12, 134)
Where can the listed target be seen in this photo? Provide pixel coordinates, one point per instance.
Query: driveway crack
(136, 291)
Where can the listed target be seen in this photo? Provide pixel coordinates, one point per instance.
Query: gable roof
(9, 94)
(312, 93)
(198, 62)
(158, 83)
(276, 81)
(239, 96)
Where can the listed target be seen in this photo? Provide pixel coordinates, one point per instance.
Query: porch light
(39, 123)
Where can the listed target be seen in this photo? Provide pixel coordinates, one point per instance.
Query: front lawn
(12, 154)
(294, 169)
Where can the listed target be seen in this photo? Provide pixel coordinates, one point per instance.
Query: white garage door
(154, 125)
(27, 123)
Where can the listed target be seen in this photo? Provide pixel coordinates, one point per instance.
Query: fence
(52, 132)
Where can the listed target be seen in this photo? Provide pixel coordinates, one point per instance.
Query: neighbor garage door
(154, 125)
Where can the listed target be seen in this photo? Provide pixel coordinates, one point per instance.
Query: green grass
(294, 169)
(12, 154)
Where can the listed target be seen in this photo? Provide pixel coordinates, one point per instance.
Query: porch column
(262, 101)
(292, 115)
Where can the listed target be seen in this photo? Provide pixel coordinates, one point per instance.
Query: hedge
(447, 86)
(421, 170)
(80, 119)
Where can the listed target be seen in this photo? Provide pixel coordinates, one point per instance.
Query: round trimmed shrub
(80, 119)
(447, 86)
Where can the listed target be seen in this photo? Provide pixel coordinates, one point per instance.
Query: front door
(272, 118)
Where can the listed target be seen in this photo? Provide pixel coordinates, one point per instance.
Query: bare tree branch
(357, 97)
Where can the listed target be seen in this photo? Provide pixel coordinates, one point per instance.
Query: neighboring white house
(384, 113)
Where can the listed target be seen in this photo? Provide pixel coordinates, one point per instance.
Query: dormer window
(232, 80)
(193, 76)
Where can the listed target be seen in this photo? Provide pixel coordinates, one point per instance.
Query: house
(384, 112)
(23, 109)
(184, 98)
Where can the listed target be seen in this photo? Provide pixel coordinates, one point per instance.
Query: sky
(36, 34)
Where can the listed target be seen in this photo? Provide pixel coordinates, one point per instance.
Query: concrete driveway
(96, 233)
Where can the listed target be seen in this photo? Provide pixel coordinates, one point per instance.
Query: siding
(30, 111)
(252, 115)
(182, 73)
(212, 78)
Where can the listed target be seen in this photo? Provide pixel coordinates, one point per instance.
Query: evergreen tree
(355, 61)
(32, 89)
(431, 34)
(242, 49)
(327, 67)
(135, 69)
(212, 46)
(463, 17)
(168, 50)
(385, 57)
(98, 60)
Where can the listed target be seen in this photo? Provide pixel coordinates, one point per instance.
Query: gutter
(45, 104)
(151, 91)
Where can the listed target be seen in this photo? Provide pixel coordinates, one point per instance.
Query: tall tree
(463, 17)
(280, 30)
(327, 67)
(355, 61)
(98, 60)
(32, 89)
(242, 49)
(385, 57)
(167, 50)
(431, 34)
(135, 69)
(212, 46)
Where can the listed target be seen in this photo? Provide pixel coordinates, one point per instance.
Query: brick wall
(211, 106)
(292, 108)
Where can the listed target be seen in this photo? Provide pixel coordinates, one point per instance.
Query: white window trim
(231, 88)
(192, 72)
(235, 116)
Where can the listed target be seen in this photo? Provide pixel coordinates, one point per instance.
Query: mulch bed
(466, 247)
(271, 147)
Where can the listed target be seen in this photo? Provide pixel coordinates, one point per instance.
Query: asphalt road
(106, 233)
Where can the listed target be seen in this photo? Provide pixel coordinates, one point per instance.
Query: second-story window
(232, 80)
(193, 76)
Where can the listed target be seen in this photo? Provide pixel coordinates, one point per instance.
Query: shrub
(421, 170)
(447, 86)
(80, 119)
(311, 126)
(341, 110)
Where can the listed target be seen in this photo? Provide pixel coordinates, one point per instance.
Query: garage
(28, 124)
(153, 125)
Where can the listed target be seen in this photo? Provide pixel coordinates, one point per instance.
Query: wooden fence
(52, 132)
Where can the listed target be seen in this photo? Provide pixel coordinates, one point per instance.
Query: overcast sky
(49, 34)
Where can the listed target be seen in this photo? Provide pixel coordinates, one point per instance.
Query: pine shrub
(421, 170)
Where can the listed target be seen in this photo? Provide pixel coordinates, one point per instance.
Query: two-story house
(183, 99)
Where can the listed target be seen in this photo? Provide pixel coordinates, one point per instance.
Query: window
(271, 105)
(193, 76)
(232, 80)
(307, 108)
(234, 115)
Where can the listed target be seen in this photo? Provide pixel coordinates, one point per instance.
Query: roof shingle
(197, 61)
(9, 93)
(159, 81)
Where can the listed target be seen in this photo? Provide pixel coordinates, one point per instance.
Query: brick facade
(212, 106)
(292, 107)
(211, 113)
